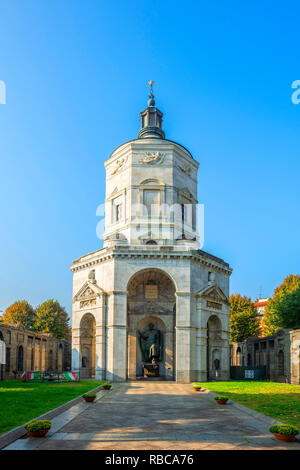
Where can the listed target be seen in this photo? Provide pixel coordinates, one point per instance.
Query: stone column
(201, 341)
(117, 337)
(100, 360)
(225, 358)
(76, 350)
(132, 340)
(201, 354)
(183, 333)
(169, 344)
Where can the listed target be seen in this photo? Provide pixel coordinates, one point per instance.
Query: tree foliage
(20, 312)
(283, 309)
(52, 318)
(244, 318)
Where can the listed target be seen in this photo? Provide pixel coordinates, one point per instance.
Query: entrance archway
(151, 305)
(214, 347)
(87, 346)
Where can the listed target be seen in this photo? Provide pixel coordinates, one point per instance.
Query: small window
(151, 202)
(118, 212)
(182, 213)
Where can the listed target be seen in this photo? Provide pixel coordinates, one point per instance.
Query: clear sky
(76, 76)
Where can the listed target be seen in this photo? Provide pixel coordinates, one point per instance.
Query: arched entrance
(151, 324)
(87, 346)
(214, 348)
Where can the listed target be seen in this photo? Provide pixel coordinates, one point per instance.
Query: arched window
(32, 359)
(50, 367)
(7, 365)
(249, 362)
(20, 358)
(281, 363)
(214, 332)
(238, 356)
(151, 242)
(84, 361)
(60, 358)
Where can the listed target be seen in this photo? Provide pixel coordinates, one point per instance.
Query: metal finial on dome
(151, 119)
(151, 101)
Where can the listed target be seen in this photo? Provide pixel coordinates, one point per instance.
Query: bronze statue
(151, 345)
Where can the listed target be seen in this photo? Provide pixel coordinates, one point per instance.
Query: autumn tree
(244, 318)
(283, 309)
(52, 318)
(20, 312)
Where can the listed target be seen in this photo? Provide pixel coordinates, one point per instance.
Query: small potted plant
(106, 386)
(150, 374)
(197, 388)
(38, 427)
(221, 400)
(89, 397)
(284, 432)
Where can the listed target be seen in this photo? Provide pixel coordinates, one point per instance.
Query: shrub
(38, 425)
(284, 430)
(89, 395)
(221, 398)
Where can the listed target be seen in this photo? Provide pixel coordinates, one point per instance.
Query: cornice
(107, 254)
(153, 142)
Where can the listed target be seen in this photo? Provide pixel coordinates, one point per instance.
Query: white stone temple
(151, 303)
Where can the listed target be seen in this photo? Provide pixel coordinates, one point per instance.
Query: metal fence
(248, 373)
(49, 376)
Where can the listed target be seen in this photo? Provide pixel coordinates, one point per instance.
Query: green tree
(20, 312)
(52, 318)
(244, 318)
(283, 308)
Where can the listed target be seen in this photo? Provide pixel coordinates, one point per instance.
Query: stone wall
(280, 354)
(26, 350)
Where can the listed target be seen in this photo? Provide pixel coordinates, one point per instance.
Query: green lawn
(21, 401)
(281, 401)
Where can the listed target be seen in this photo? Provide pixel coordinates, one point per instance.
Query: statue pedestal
(151, 368)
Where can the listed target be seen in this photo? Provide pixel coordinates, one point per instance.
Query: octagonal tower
(150, 280)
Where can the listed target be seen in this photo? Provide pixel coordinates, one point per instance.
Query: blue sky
(76, 78)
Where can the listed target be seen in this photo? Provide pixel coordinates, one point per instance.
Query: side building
(280, 354)
(26, 350)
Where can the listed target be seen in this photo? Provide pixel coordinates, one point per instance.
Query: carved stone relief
(152, 158)
(118, 165)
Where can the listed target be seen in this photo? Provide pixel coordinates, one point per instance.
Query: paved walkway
(156, 415)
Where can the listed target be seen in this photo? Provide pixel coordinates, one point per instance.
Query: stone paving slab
(157, 415)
